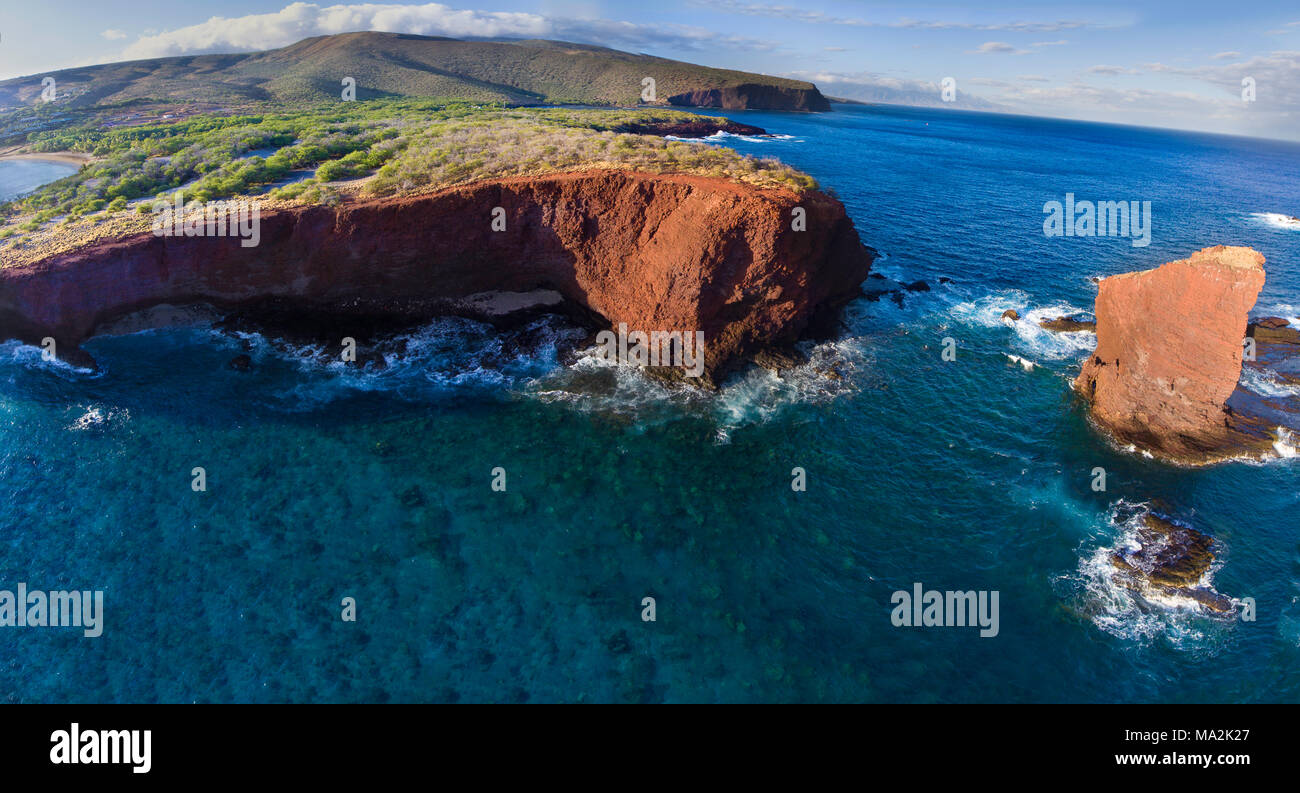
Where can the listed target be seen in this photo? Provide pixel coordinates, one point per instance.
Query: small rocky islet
(1171, 561)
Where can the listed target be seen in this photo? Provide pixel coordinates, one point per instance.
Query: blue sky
(1174, 64)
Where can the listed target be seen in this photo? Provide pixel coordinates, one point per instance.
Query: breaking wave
(1034, 341)
(1095, 592)
(725, 137)
(1277, 220)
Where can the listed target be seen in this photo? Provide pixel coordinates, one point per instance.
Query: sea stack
(1169, 353)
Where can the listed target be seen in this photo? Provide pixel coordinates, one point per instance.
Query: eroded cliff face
(750, 96)
(658, 252)
(1169, 354)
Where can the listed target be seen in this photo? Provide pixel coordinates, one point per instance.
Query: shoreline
(65, 157)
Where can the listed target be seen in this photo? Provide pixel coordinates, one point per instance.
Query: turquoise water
(22, 176)
(975, 474)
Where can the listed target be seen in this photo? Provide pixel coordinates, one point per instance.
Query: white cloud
(1277, 76)
(1058, 43)
(1104, 69)
(1223, 56)
(299, 20)
(113, 35)
(990, 47)
(820, 17)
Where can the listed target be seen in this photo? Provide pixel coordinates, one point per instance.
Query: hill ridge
(512, 72)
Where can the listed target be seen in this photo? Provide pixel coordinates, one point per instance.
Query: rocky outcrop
(1169, 354)
(753, 96)
(1273, 330)
(1165, 559)
(657, 252)
(693, 128)
(1068, 324)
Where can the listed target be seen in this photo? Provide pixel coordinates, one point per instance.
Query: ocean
(975, 474)
(23, 176)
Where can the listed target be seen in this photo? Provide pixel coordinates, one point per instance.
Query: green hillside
(392, 65)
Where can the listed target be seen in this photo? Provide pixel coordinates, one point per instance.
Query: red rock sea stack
(1169, 354)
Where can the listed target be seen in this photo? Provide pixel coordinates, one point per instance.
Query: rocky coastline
(653, 252)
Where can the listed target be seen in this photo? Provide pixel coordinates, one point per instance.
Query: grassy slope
(335, 151)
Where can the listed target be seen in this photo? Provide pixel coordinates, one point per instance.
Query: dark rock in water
(240, 363)
(1272, 323)
(1011, 314)
(618, 643)
(779, 360)
(75, 356)
(412, 497)
(1068, 324)
(893, 294)
(877, 276)
(1273, 330)
(917, 286)
(691, 129)
(370, 359)
(943, 279)
(1170, 560)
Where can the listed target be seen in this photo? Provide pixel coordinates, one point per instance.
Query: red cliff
(1169, 353)
(658, 252)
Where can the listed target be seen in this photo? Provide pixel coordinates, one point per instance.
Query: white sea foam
(447, 355)
(1267, 383)
(595, 385)
(832, 370)
(1032, 339)
(1286, 443)
(34, 357)
(1277, 220)
(96, 417)
(453, 355)
(724, 137)
(1027, 365)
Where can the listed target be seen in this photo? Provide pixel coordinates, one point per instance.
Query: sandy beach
(70, 157)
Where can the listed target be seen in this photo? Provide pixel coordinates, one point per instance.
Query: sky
(1144, 62)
